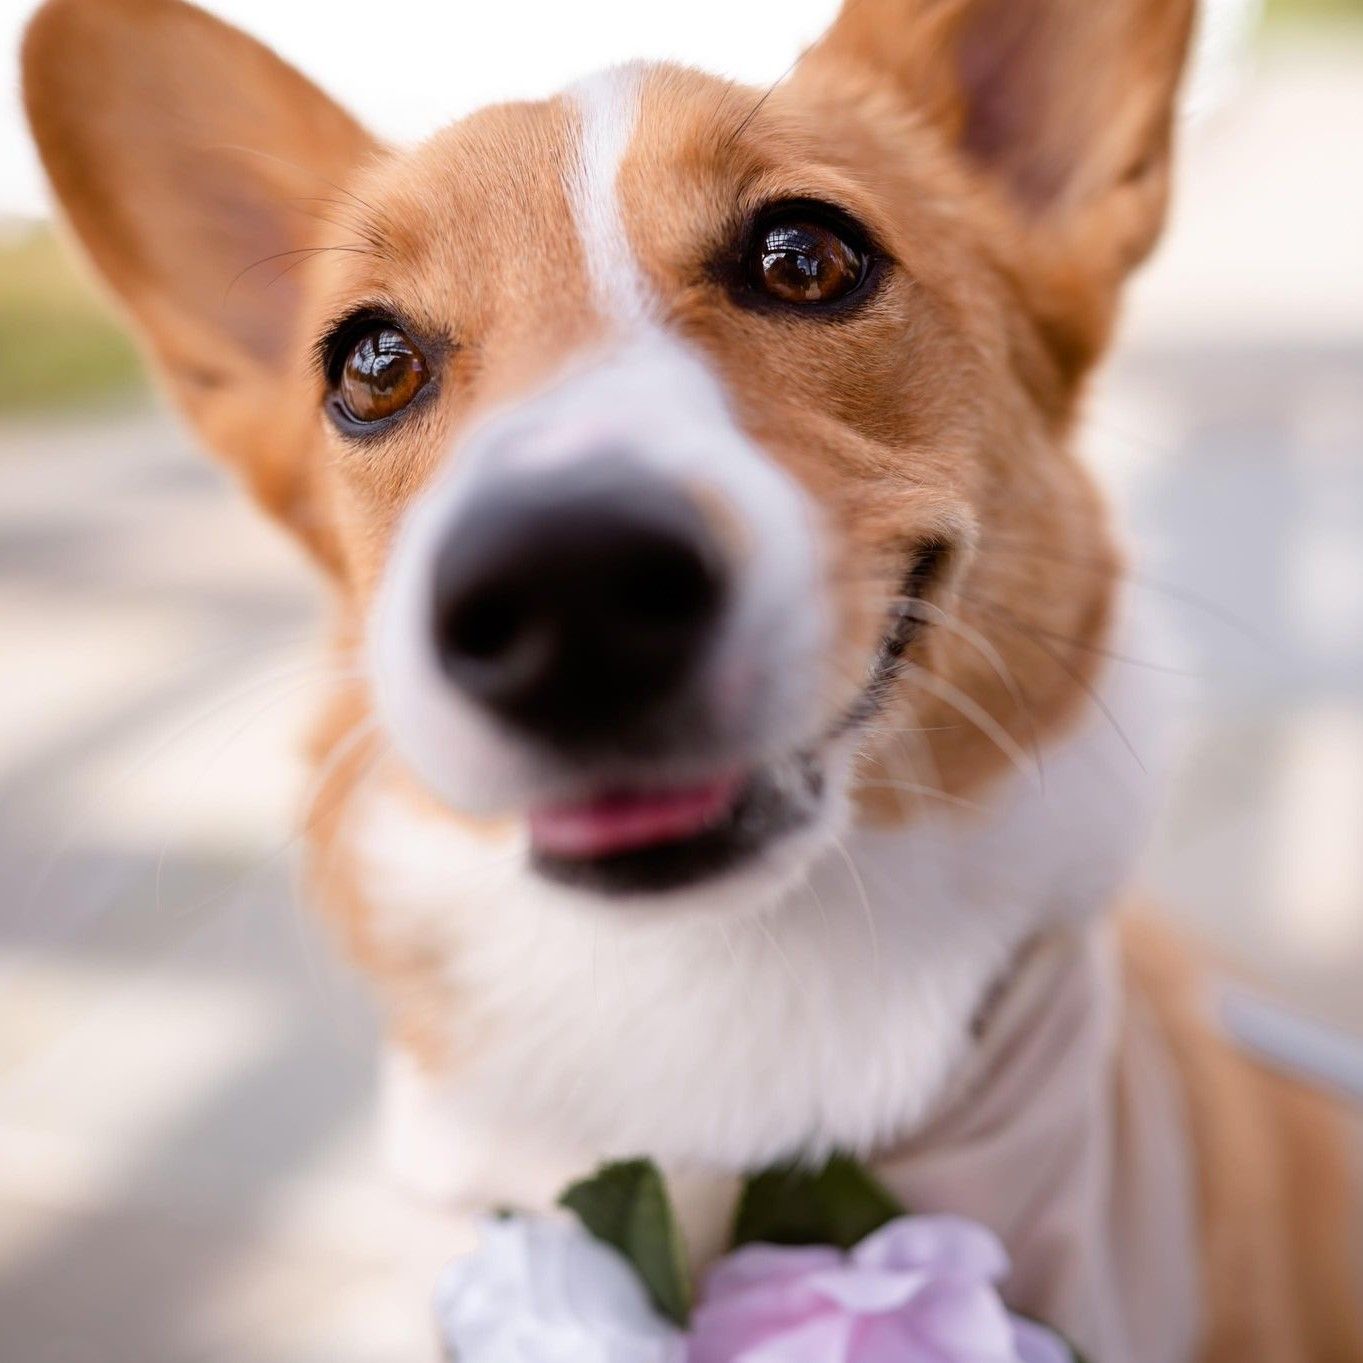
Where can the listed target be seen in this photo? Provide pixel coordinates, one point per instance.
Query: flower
(922, 1289)
(538, 1290)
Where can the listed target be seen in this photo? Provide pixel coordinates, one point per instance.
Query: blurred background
(186, 1148)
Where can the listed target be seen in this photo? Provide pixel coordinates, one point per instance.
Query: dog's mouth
(642, 840)
(621, 821)
(646, 840)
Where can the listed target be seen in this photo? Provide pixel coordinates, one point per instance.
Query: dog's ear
(1066, 106)
(186, 157)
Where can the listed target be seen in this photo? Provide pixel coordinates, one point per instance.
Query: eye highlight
(803, 255)
(377, 371)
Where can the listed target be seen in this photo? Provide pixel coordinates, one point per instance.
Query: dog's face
(691, 463)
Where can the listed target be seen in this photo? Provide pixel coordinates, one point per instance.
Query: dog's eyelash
(329, 349)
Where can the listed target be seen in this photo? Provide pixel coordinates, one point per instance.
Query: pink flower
(920, 1290)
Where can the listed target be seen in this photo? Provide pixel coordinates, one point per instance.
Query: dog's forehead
(575, 204)
(475, 212)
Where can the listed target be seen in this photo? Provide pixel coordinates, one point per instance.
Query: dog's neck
(835, 1021)
(1063, 1131)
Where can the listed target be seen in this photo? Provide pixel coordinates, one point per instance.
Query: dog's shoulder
(1281, 1216)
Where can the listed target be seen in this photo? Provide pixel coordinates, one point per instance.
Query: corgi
(732, 757)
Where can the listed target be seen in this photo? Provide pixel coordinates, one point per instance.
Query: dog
(732, 757)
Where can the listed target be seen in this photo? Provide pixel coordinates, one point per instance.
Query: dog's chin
(759, 841)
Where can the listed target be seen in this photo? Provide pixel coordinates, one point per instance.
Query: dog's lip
(611, 822)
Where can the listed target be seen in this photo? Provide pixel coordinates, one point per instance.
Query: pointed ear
(1066, 106)
(188, 158)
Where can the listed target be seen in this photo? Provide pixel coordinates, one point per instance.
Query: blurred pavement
(186, 1159)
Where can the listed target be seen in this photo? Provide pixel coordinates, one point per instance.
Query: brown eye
(798, 260)
(381, 373)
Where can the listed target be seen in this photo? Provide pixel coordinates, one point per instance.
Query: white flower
(544, 1291)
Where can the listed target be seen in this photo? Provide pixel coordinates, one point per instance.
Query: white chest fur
(832, 1021)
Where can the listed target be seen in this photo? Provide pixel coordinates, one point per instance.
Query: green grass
(60, 346)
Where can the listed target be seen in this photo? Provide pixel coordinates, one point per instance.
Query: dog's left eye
(798, 258)
(379, 374)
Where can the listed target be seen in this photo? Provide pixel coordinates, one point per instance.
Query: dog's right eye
(805, 256)
(379, 372)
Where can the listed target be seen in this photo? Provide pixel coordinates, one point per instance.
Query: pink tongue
(623, 821)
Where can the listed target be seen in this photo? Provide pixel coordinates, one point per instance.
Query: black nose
(577, 604)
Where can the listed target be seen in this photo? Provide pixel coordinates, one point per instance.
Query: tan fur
(893, 452)
(887, 447)
(194, 189)
(942, 411)
(1277, 1176)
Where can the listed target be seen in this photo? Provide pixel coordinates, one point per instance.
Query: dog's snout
(574, 604)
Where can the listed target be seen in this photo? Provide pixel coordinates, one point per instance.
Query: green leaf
(839, 1204)
(627, 1206)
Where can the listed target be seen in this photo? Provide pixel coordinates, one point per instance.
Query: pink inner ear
(1009, 69)
(251, 286)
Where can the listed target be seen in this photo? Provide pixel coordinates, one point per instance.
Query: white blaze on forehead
(643, 397)
(608, 110)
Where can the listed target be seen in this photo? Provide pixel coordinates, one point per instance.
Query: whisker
(995, 608)
(868, 913)
(727, 939)
(972, 710)
(885, 730)
(236, 883)
(1139, 578)
(305, 253)
(293, 165)
(1085, 685)
(761, 103)
(924, 792)
(759, 922)
(350, 743)
(738, 132)
(209, 763)
(361, 731)
(323, 670)
(991, 655)
(1083, 645)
